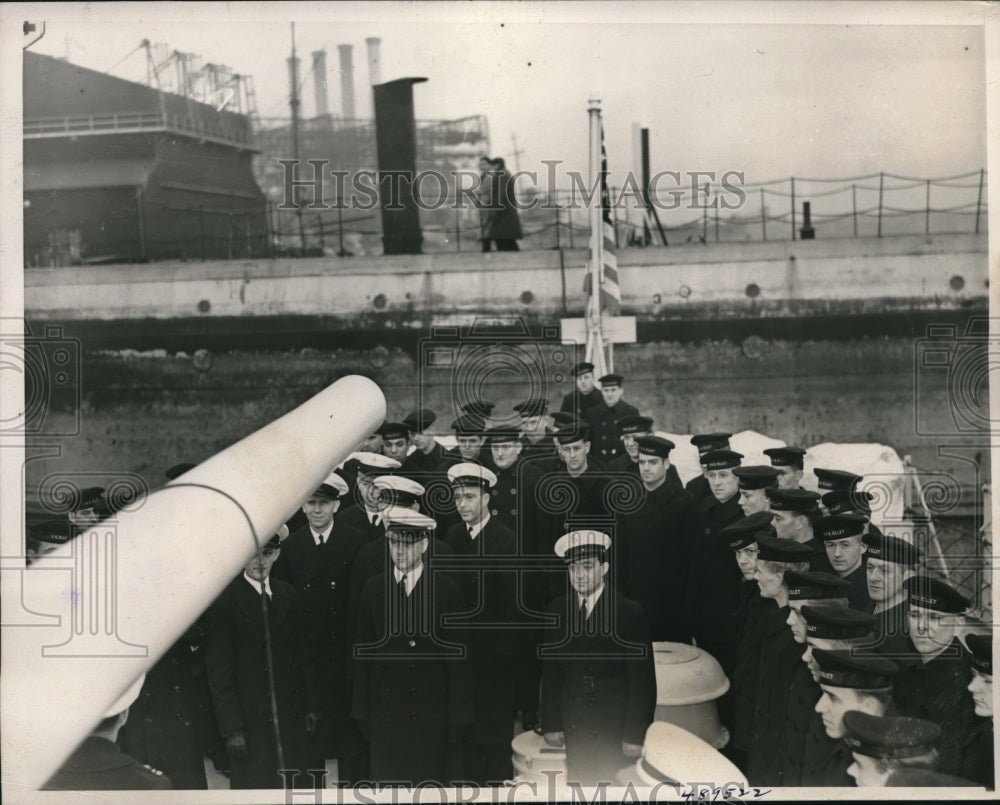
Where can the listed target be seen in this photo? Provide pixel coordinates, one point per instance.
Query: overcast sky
(770, 90)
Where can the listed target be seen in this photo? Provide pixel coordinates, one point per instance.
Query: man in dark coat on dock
(238, 662)
(316, 560)
(705, 443)
(598, 682)
(586, 395)
(412, 675)
(841, 535)
(633, 428)
(890, 561)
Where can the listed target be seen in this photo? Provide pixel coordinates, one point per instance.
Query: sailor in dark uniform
(882, 744)
(978, 749)
(780, 655)
(586, 395)
(753, 480)
(802, 724)
(828, 480)
(428, 453)
(849, 683)
(480, 542)
(795, 511)
(655, 543)
(632, 428)
(470, 436)
(789, 462)
(413, 682)
(841, 535)
(706, 443)
(890, 561)
(830, 626)
(598, 683)
(936, 687)
(395, 440)
(536, 435)
(366, 517)
(479, 408)
(603, 418)
(714, 585)
(751, 617)
(99, 765)
(317, 561)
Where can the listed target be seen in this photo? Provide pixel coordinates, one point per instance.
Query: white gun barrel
(138, 582)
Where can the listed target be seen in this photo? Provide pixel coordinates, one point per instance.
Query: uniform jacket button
(413, 643)
(513, 491)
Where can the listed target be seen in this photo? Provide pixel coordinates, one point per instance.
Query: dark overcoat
(412, 678)
(654, 548)
(322, 575)
(239, 681)
(598, 683)
(605, 436)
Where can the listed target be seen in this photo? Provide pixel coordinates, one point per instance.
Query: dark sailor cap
(572, 433)
(582, 368)
(469, 425)
(611, 380)
(773, 549)
(845, 501)
(756, 476)
(635, 424)
(394, 430)
(980, 653)
(501, 435)
(720, 459)
(786, 456)
(815, 585)
(480, 408)
(418, 421)
(837, 623)
(745, 531)
(654, 446)
(839, 526)
(711, 441)
(792, 500)
(840, 669)
(836, 479)
(891, 549)
(929, 593)
(889, 737)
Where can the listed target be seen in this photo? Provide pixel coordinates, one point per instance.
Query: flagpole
(595, 338)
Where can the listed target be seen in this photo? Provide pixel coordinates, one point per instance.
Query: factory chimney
(347, 80)
(319, 83)
(374, 59)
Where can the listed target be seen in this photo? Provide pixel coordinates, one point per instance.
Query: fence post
(927, 214)
(458, 231)
(763, 215)
(979, 198)
(555, 195)
(881, 182)
(854, 207)
(793, 207)
(569, 224)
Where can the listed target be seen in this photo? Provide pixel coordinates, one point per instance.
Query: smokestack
(374, 59)
(319, 83)
(347, 80)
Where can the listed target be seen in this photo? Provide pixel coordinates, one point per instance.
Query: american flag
(611, 294)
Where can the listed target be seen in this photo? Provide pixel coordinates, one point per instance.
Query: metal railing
(132, 122)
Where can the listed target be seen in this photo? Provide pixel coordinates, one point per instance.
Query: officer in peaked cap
(936, 688)
(789, 462)
(44, 537)
(753, 480)
(655, 541)
(632, 428)
(598, 680)
(366, 516)
(603, 418)
(882, 744)
(495, 646)
(535, 432)
(890, 561)
(805, 744)
(977, 756)
(412, 682)
(705, 442)
(395, 440)
(586, 395)
(671, 755)
(828, 480)
(741, 537)
(99, 765)
(428, 453)
(780, 654)
(316, 560)
(841, 535)
(795, 512)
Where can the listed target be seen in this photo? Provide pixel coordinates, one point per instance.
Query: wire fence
(874, 205)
